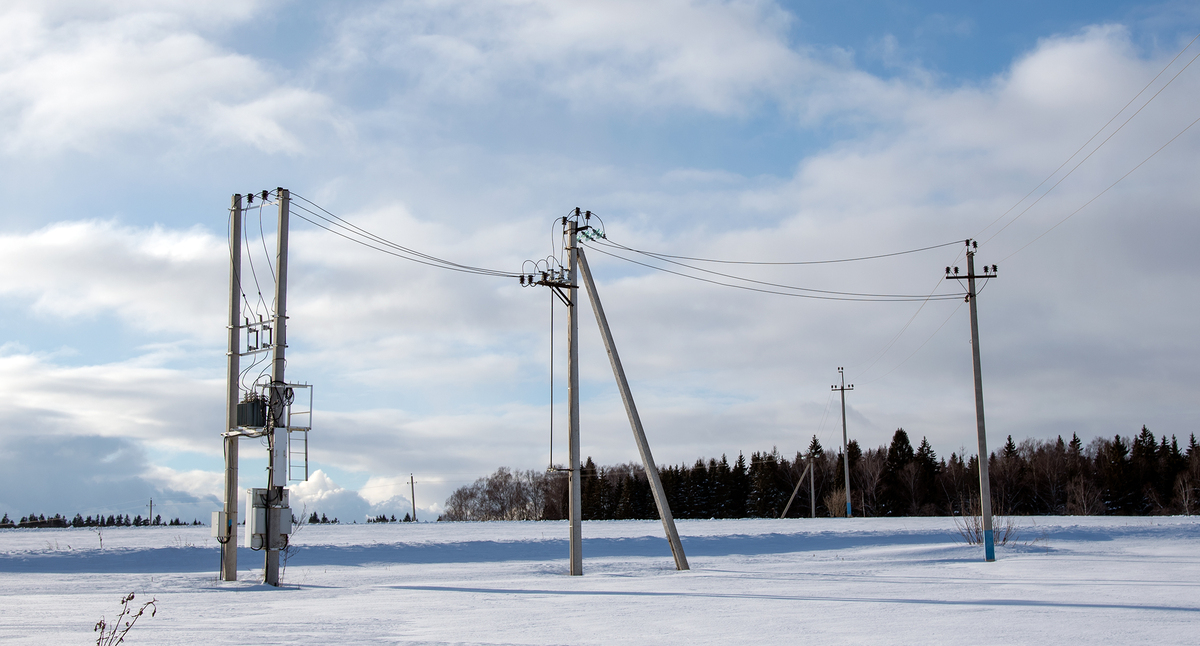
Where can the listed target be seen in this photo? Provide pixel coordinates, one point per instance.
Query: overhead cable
(799, 292)
(1090, 139)
(340, 227)
(664, 256)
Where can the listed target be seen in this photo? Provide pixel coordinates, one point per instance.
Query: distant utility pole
(226, 532)
(845, 441)
(412, 488)
(150, 519)
(985, 489)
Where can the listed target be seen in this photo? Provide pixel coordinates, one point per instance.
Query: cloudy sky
(746, 130)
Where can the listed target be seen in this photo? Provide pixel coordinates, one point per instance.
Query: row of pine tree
(1127, 476)
(58, 520)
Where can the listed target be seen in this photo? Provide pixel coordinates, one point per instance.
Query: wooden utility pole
(845, 440)
(574, 489)
(277, 435)
(227, 533)
(639, 434)
(985, 488)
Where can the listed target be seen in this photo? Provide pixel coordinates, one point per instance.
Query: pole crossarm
(639, 434)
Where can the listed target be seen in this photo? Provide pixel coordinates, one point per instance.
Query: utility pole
(574, 227)
(845, 440)
(812, 490)
(985, 488)
(150, 519)
(227, 532)
(277, 431)
(412, 488)
(575, 512)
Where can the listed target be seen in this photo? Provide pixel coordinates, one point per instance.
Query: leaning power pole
(225, 527)
(985, 489)
(635, 421)
(845, 440)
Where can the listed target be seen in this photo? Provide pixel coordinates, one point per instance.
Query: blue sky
(761, 130)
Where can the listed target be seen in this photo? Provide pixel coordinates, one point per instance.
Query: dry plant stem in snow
(835, 502)
(1004, 530)
(113, 634)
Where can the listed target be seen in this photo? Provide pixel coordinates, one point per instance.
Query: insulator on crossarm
(994, 269)
(249, 198)
(264, 195)
(587, 215)
(947, 270)
(522, 280)
(956, 270)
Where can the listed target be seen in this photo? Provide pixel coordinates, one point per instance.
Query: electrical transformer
(263, 515)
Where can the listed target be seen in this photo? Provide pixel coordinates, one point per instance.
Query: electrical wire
(923, 343)
(663, 256)
(341, 227)
(811, 293)
(1098, 195)
(1098, 147)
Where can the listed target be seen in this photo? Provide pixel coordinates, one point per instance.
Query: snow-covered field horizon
(1121, 580)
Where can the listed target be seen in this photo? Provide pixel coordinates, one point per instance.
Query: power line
(345, 229)
(1098, 147)
(664, 256)
(1098, 195)
(819, 294)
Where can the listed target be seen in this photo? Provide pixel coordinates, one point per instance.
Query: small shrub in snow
(114, 633)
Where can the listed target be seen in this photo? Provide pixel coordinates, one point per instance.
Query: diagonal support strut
(639, 435)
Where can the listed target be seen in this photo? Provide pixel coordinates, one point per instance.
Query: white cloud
(79, 81)
(322, 495)
(444, 376)
(154, 279)
(713, 56)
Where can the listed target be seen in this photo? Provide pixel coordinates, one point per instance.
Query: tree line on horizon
(58, 520)
(1139, 475)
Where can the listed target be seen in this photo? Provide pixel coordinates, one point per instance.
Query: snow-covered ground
(824, 581)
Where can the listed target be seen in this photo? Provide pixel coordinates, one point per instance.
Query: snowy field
(824, 581)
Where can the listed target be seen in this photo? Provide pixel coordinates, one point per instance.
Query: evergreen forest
(1141, 475)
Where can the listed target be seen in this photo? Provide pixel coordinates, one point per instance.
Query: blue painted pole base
(848, 514)
(989, 546)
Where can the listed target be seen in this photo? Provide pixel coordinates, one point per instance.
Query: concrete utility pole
(277, 436)
(845, 440)
(574, 489)
(639, 435)
(985, 488)
(812, 490)
(227, 533)
(412, 488)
